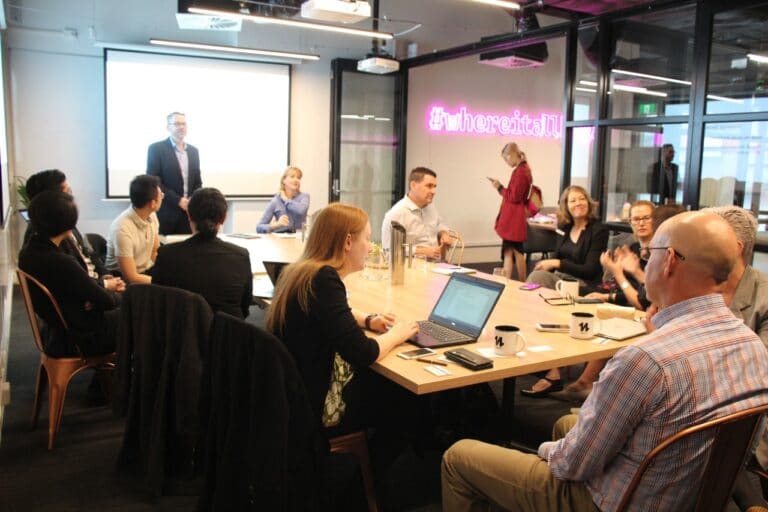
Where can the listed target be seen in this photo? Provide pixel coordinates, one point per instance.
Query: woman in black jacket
(88, 309)
(581, 242)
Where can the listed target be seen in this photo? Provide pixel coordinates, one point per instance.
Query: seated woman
(310, 313)
(287, 212)
(577, 254)
(217, 270)
(580, 242)
(89, 309)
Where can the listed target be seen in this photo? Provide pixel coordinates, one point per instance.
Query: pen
(425, 360)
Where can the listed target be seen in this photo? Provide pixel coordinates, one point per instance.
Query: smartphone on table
(415, 353)
(530, 286)
(552, 327)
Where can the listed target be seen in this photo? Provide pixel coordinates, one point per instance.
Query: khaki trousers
(476, 476)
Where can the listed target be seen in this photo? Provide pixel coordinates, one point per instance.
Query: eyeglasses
(645, 252)
(177, 124)
(558, 301)
(640, 220)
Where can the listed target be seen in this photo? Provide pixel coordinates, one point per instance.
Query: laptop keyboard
(439, 332)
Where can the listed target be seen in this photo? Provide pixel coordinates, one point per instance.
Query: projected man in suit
(177, 164)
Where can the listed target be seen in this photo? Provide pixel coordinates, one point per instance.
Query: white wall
(462, 161)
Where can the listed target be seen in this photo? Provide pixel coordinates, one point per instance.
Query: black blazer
(586, 263)
(217, 270)
(658, 183)
(72, 287)
(162, 162)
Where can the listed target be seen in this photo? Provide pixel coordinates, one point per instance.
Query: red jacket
(511, 223)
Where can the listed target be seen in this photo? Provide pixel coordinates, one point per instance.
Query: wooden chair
(458, 243)
(57, 372)
(733, 439)
(356, 444)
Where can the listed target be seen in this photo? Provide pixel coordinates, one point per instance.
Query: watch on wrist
(368, 321)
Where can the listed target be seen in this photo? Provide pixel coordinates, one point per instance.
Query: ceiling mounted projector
(340, 11)
(378, 65)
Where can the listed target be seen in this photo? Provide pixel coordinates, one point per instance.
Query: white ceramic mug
(568, 287)
(583, 325)
(509, 340)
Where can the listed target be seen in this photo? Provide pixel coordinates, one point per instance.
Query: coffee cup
(583, 325)
(568, 287)
(509, 340)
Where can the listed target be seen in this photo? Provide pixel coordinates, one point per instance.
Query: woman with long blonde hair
(310, 314)
(287, 211)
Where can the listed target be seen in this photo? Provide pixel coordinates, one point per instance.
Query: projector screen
(237, 117)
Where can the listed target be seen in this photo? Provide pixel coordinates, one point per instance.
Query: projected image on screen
(237, 117)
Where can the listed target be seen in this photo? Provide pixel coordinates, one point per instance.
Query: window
(585, 87)
(738, 63)
(643, 162)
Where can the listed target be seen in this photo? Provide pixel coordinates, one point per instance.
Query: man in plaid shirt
(699, 364)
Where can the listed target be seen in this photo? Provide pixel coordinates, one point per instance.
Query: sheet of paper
(539, 348)
(437, 370)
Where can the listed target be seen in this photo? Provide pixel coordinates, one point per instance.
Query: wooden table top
(415, 299)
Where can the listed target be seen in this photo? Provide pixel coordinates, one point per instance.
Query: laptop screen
(466, 303)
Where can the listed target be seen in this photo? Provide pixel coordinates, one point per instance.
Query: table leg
(508, 401)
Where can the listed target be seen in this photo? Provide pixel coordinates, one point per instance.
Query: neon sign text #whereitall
(517, 123)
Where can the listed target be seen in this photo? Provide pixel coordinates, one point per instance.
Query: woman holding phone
(511, 222)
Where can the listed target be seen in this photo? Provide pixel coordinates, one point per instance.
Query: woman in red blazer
(511, 223)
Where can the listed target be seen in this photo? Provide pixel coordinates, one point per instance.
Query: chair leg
(59, 376)
(40, 386)
(356, 444)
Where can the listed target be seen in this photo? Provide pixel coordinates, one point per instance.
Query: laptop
(263, 288)
(460, 313)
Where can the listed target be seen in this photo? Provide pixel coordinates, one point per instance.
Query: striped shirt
(699, 364)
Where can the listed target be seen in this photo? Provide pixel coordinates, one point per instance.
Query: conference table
(374, 292)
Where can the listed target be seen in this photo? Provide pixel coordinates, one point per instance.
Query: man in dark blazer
(204, 264)
(177, 164)
(663, 176)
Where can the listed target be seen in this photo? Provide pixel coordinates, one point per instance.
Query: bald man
(699, 364)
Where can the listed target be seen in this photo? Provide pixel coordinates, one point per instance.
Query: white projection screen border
(237, 115)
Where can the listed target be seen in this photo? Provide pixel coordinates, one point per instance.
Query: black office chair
(99, 244)
(539, 240)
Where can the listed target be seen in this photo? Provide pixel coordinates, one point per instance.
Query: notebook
(620, 329)
(460, 313)
(263, 288)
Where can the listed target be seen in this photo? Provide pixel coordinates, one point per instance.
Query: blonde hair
(325, 246)
(285, 173)
(513, 147)
(564, 217)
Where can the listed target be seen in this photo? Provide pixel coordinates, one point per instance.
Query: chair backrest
(98, 243)
(24, 280)
(540, 240)
(458, 243)
(733, 438)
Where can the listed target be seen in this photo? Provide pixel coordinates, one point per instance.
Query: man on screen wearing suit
(177, 164)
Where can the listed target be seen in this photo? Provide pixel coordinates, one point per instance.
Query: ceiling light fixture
(500, 3)
(653, 77)
(755, 57)
(293, 23)
(588, 83)
(585, 89)
(723, 98)
(638, 90)
(235, 49)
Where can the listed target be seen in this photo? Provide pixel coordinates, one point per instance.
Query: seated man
(77, 245)
(217, 270)
(423, 226)
(133, 236)
(681, 374)
(89, 310)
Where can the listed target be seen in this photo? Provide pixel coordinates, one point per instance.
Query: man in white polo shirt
(134, 234)
(423, 226)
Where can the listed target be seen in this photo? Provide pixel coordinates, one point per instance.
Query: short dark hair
(207, 207)
(50, 179)
(143, 190)
(52, 212)
(417, 174)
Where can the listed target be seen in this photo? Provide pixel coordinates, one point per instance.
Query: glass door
(366, 144)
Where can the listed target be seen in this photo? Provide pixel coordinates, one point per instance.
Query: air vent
(188, 21)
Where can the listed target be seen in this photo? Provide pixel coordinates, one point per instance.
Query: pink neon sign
(517, 123)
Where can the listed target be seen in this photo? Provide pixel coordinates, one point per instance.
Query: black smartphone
(585, 300)
(552, 327)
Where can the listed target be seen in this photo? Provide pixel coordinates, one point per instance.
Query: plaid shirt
(700, 364)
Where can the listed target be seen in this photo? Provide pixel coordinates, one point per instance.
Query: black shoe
(554, 385)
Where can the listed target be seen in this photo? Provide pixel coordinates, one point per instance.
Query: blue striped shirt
(700, 363)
